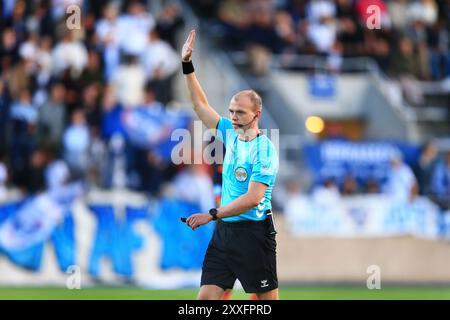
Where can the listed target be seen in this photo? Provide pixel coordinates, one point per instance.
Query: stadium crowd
(410, 38)
(96, 102)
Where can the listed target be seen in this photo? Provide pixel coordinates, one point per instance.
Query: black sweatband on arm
(188, 67)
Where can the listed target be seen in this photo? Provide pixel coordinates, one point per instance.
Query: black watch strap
(213, 213)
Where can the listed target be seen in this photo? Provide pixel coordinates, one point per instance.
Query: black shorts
(241, 250)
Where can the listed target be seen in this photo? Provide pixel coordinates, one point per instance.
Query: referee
(243, 245)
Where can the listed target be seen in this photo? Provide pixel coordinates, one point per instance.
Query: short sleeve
(265, 164)
(224, 129)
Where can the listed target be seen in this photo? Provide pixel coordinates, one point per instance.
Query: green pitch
(288, 293)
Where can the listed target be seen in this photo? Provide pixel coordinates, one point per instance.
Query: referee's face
(242, 113)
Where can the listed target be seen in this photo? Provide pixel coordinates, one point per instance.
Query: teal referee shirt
(246, 161)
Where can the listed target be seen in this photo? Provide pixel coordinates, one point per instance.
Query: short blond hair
(254, 97)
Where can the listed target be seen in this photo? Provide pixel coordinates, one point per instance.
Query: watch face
(213, 212)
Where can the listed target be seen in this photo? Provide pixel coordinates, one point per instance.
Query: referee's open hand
(188, 47)
(198, 219)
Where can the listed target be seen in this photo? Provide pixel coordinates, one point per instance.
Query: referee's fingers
(190, 221)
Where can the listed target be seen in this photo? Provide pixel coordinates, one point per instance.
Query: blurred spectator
(9, 49)
(285, 28)
(425, 167)
(234, 18)
(115, 172)
(401, 184)
(97, 157)
(372, 187)
(35, 181)
(417, 33)
(18, 78)
(379, 49)
(262, 37)
(69, 54)
(40, 20)
(52, 116)
(169, 22)
(29, 48)
(349, 186)
(398, 12)
(149, 165)
(43, 74)
(3, 177)
(108, 33)
(129, 82)
(441, 183)
(76, 144)
(439, 50)
(17, 20)
(160, 62)
(92, 73)
(73, 98)
(5, 103)
(405, 65)
(349, 31)
(317, 10)
(7, 7)
(23, 127)
(295, 204)
(111, 115)
(57, 173)
(194, 184)
(91, 106)
(323, 34)
(113, 133)
(423, 10)
(326, 193)
(134, 27)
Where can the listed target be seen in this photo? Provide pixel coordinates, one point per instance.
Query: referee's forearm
(196, 93)
(204, 111)
(237, 206)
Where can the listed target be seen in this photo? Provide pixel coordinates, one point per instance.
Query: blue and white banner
(26, 225)
(362, 160)
(366, 216)
(110, 230)
(31, 224)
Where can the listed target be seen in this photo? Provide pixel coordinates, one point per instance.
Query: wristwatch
(213, 212)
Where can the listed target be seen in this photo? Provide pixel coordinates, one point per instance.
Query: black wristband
(188, 67)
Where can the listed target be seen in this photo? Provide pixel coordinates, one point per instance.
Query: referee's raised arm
(204, 111)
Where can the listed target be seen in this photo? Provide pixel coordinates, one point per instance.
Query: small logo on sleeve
(267, 171)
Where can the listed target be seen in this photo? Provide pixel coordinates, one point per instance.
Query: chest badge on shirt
(241, 174)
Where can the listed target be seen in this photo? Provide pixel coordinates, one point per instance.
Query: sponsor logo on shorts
(264, 283)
